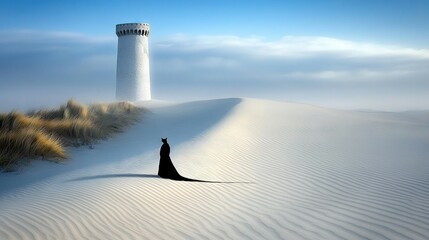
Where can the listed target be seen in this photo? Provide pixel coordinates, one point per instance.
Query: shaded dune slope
(318, 174)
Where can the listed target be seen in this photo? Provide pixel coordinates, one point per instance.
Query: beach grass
(46, 134)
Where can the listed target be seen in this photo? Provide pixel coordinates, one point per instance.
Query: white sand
(317, 174)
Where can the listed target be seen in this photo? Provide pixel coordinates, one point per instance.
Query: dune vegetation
(45, 134)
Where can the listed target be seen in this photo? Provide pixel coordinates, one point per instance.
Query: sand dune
(316, 173)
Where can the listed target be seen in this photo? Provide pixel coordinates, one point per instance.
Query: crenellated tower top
(132, 29)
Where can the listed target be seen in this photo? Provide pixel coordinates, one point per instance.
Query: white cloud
(307, 69)
(34, 36)
(288, 47)
(50, 67)
(298, 68)
(351, 75)
(252, 60)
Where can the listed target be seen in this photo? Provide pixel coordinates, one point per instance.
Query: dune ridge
(319, 174)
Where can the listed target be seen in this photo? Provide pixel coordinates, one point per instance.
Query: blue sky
(347, 54)
(383, 21)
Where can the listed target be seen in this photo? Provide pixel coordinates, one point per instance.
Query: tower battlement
(132, 29)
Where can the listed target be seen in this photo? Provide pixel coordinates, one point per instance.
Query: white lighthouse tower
(132, 71)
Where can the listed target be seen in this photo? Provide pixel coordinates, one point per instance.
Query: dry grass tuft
(28, 143)
(45, 133)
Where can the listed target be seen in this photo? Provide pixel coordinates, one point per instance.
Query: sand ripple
(316, 174)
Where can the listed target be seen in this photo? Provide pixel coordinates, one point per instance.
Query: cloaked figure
(167, 170)
(166, 167)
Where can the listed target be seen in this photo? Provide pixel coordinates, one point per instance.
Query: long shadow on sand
(124, 175)
(133, 175)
